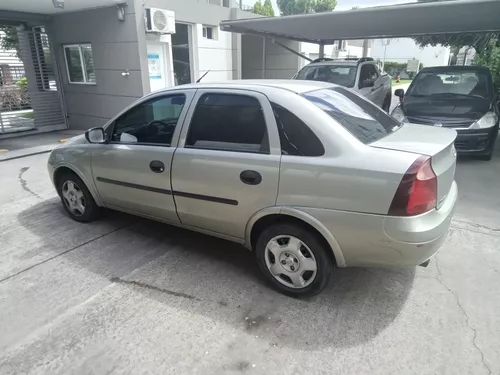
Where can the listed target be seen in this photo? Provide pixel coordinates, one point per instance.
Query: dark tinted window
(296, 138)
(344, 75)
(451, 83)
(230, 123)
(153, 121)
(368, 71)
(361, 118)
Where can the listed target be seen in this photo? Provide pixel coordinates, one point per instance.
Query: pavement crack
(152, 287)
(474, 331)
(479, 226)
(64, 252)
(24, 183)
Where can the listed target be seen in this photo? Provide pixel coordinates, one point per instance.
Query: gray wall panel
(115, 48)
(109, 82)
(104, 106)
(86, 122)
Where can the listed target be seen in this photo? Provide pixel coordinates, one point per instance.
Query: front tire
(76, 199)
(293, 260)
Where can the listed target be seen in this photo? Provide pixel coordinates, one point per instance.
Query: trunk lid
(431, 141)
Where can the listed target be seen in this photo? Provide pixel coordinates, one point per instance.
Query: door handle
(157, 166)
(250, 177)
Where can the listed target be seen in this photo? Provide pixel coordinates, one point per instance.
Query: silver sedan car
(308, 175)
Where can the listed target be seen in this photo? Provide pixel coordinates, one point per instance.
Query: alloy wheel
(290, 261)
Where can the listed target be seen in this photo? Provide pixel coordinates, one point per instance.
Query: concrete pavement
(129, 296)
(33, 144)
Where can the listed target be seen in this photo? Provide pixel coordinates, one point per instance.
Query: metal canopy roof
(406, 20)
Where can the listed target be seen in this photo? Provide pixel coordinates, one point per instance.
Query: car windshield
(367, 122)
(343, 75)
(465, 83)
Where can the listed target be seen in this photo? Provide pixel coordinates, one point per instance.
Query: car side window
(151, 122)
(364, 74)
(228, 122)
(374, 74)
(296, 137)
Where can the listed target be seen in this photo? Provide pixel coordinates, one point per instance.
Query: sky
(348, 4)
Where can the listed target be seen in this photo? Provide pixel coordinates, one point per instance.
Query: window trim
(109, 129)
(82, 62)
(213, 31)
(272, 130)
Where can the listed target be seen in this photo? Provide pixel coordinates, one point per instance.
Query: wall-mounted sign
(154, 66)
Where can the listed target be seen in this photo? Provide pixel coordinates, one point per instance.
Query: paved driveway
(129, 296)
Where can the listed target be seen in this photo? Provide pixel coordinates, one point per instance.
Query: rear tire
(293, 260)
(386, 106)
(76, 199)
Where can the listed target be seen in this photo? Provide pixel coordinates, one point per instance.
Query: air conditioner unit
(160, 21)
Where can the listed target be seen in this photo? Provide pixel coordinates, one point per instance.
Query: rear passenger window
(228, 122)
(296, 138)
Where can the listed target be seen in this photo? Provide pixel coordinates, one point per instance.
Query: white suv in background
(362, 75)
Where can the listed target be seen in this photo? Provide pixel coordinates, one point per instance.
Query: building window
(209, 32)
(80, 63)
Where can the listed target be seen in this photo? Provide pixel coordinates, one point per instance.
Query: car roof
(296, 86)
(455, 68)
(335, 62)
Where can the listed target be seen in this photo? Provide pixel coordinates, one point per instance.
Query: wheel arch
(61, 170)
(269, 215)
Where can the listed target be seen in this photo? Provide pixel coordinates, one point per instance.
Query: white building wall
(312, 51)
(214, 55)
(404, 49)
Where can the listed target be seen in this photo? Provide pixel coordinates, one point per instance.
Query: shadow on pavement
(220, 280)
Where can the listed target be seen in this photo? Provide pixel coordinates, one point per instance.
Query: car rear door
(226, 167)
(132, 171)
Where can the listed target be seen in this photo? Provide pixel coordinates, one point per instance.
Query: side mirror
(368, 83)
(95, 135)
(400, 93)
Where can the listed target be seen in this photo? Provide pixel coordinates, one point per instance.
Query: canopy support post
(321, 50)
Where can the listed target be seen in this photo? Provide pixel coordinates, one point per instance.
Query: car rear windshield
(460, 83)
(343, 75)
(361, 118)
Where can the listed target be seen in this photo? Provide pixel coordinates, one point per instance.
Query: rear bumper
(476, 142)
(386, 241)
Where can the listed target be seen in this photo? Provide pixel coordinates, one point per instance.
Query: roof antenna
(203, 76)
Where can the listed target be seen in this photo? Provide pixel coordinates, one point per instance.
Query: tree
(455, 41)
(9, 40)
(265, 9)
(289, 7)
(490, 57)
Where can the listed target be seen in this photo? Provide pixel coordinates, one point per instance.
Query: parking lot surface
(126, 295)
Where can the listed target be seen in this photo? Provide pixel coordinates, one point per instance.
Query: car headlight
(398, 114)
(487, 121)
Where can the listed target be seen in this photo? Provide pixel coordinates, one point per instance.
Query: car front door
(368, 71)
(226, 167)
(132, 171)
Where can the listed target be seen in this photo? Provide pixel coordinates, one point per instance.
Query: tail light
(417, 191)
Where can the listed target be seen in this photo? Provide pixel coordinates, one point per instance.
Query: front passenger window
(151, 122)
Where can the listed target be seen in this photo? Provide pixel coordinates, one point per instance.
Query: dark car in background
(459, 97)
